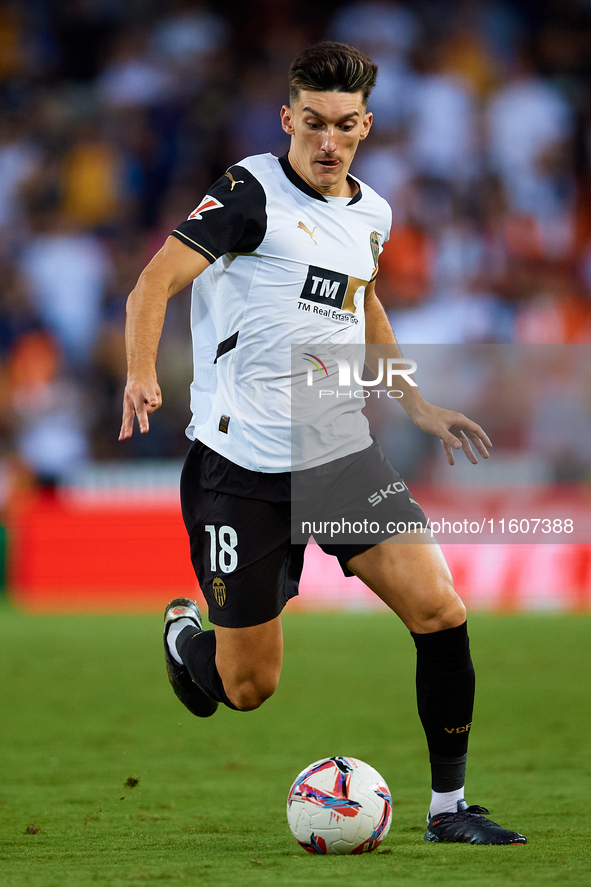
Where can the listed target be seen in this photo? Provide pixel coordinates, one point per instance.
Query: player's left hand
(454, 430)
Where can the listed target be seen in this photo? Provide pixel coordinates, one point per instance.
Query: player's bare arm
(171, 269)
(454, 430)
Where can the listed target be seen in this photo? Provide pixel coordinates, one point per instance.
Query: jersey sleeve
(231, 218)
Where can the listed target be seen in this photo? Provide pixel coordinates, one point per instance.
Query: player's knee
(250, 693)
(452, 614)
(444, 610)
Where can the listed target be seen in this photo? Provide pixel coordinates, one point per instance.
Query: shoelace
(460, 814)
(476, 808)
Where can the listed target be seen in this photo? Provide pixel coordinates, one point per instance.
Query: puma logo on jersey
(307, 230)
(206, 204)
(233, 181)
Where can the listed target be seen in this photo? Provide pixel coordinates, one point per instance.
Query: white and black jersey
(288, 266)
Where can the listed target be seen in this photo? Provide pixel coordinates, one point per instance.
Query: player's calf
(249, 661)
(249, 692)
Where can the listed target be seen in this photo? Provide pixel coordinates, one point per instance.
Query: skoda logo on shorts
(219, 591)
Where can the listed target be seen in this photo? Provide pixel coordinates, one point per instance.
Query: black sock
(197, 650)
(445, 699)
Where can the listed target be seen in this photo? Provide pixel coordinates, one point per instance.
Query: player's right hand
(139, 399)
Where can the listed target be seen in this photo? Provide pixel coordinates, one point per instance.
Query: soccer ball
(339, 805)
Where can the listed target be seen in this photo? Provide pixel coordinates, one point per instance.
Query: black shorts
(248, 530)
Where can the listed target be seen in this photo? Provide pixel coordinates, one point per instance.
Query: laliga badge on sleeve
(206, 204)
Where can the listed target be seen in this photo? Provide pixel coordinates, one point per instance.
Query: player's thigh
(414, 580)
(249, 659)
(240, 549)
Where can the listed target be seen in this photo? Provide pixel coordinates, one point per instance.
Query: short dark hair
(332, 67)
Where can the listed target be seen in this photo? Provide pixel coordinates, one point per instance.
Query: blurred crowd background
(115, 118)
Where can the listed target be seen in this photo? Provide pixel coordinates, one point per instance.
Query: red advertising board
(105, 556)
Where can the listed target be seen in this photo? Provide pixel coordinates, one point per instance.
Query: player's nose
(329, 144)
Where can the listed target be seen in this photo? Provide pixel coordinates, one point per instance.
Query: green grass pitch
(86, 710)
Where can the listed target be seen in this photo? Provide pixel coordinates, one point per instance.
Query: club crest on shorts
(219, 591)
(206, 204)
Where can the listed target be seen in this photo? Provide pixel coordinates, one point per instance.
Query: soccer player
(282, 251)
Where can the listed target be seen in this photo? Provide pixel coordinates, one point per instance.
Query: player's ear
(287, 119)
(366, 126)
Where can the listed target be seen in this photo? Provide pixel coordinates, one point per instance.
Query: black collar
(298, 181)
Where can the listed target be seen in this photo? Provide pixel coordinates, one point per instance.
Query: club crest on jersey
(375, 252)
(206, 204)
(375, 247)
